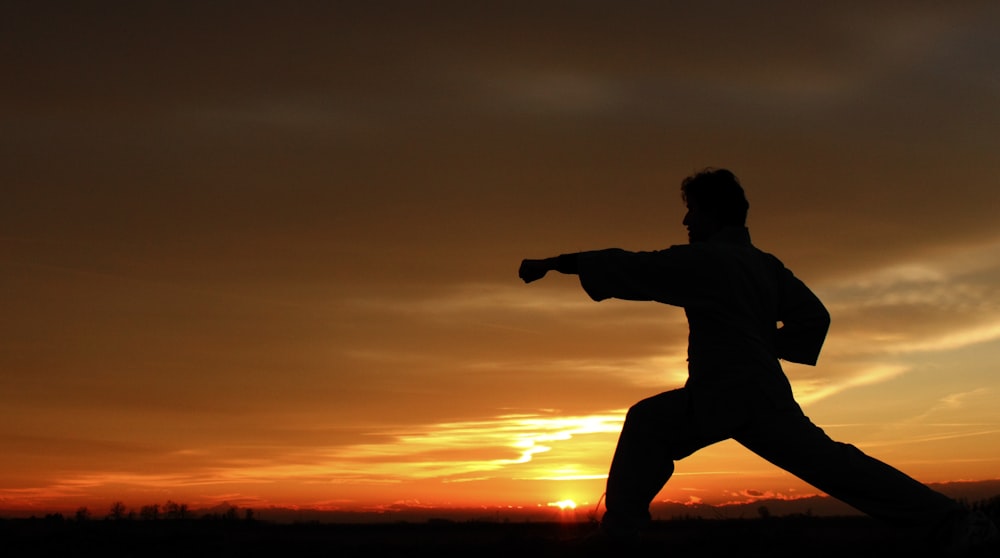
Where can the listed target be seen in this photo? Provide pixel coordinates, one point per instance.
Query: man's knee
(660, 422)
(659, 409)
(641, 412)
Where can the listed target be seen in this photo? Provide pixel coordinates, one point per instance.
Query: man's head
(715, 200)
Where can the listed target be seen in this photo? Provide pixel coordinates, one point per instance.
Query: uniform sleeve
(805, 322)
(665, 276)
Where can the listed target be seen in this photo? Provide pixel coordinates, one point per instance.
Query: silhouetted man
(745, 312)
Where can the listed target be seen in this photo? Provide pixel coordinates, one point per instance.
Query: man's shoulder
(768, 255)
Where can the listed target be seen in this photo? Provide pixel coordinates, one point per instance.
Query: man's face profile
(700, 224)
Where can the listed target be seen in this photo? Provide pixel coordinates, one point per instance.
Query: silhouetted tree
(989, 506)
(118, 511)
(177, 511)
(150, 512)
(763, 512)
(82, 514)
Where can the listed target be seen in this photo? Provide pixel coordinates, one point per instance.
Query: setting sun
(563, 504)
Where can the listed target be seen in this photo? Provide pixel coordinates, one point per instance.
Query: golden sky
(266, 253)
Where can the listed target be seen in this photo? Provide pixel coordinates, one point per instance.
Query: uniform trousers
(672, 425)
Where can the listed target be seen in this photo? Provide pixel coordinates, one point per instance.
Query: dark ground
(772, 537)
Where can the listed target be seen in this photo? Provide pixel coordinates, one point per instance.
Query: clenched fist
(533, 270)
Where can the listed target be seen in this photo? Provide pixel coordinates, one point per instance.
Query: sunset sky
(266, 253)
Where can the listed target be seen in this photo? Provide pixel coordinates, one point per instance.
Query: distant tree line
(178, 511)
(989, 506)
(154, 512)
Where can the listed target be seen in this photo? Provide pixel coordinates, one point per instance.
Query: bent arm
(805, 322)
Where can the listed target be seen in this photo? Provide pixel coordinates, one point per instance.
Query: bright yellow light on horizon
(563, 504)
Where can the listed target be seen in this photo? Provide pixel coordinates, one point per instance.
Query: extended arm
(533, 270)
(665, 276)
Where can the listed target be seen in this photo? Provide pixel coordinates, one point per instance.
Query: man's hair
(718, 192)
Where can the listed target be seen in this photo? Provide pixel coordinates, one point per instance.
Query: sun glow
(563, 504)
